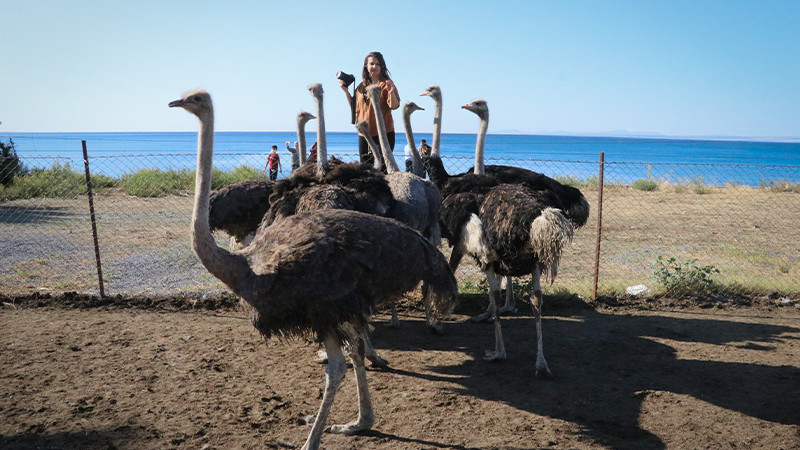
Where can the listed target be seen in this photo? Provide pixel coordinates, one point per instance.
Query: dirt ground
(188, 373)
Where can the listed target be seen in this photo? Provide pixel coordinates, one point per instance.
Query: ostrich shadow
(605, 365)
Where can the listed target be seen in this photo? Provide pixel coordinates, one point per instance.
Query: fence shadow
(38, 214)
(606, 365)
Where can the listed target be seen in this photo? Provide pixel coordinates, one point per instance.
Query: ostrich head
(433, 92)
(410, 107)
(479, 107)
(197, 102)
(303, 117)
(374, 92)
(363, 128)
(316, 90)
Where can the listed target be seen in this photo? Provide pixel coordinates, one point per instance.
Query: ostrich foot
(493, 355)
(436, 329)
(508, 309)
(377, 361)
(485, 316)
(393, 323)
(352, 427)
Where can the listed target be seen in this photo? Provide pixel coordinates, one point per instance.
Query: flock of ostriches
(309, 254)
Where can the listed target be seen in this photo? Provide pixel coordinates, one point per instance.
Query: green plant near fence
(60, 180)
(684, 278)
(643, 184)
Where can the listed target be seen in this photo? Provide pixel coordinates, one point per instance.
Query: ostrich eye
(196, 98)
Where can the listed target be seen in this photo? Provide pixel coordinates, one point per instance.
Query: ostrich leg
(334, 374)
(542, 371)
(366, 415)
(510, 306)
(499, 352)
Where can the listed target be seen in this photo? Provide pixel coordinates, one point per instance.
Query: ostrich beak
(465, 106)
(425, 94)
(174, 103)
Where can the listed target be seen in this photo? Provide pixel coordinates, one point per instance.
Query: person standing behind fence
(374, 72)
(295, 156)
(424, 153)
(409, 159)
(273, 164)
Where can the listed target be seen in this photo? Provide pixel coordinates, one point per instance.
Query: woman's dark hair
(384, 70)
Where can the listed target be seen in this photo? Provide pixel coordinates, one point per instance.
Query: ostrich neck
(230, 268)
(437, 128)
(479, 146)
(376, 153)
(322, 147)
(301, 141)
(415, 157)
(409, 132)
(386, 149)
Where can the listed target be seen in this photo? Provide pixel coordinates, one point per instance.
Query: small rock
(639, 289)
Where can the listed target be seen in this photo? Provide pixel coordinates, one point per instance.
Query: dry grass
(752, 235)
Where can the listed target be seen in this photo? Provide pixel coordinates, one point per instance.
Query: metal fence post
(94, 223)
(599, 225)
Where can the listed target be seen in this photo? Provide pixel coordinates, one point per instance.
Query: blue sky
(679, 68)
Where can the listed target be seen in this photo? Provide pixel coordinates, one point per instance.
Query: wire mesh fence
(674, 228)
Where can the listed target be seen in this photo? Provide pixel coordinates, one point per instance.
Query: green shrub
(573, 181)
(58, 181)
(156, 182)
(780, 186)
(683, 278)
(644, 185)
(220, 179)
(10, 165)
(699, 186)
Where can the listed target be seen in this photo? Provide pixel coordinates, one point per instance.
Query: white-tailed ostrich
(345, 253)
(510, 229)
(460, 197)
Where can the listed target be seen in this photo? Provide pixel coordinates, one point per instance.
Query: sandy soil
(188, 373)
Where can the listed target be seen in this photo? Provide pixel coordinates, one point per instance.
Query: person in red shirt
(273, 164)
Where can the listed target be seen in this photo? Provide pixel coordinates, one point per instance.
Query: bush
(10, 165)
(156, 182)
(700, 186)
(683, 278)
(58, 181)
(644, 185)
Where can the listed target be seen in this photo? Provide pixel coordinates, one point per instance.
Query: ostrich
(571, 201)
(417, 166)
(522, 232)
(346, 252)
(462, 193)
(300, 144)
(417, 201)
(366, 188)
(510, 229)
(239, 208)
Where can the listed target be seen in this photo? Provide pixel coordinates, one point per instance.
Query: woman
(374, 72)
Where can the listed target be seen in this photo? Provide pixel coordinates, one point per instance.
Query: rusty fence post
(599, 225)
(94, 222)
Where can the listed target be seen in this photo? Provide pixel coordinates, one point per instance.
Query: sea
(720, 160)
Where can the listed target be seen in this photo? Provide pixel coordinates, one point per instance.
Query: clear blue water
(726, 160)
